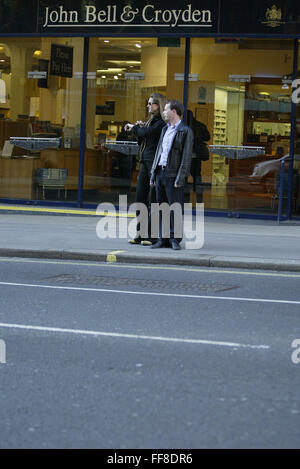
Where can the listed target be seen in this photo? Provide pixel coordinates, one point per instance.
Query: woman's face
(152, 107)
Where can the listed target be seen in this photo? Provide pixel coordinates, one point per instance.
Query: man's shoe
(159, 244)
(136, 240)
(146, 242)
(175, 244)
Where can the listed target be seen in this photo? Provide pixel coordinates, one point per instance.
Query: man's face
(168, 113)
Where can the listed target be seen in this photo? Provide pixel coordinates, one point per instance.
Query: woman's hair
(160, 100)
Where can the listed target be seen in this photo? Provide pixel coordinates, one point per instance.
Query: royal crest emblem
(273, 16)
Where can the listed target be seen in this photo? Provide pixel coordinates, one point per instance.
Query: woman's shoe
(136, 240)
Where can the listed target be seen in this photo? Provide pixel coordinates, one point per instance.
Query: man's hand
(152, 183)
(176, 185)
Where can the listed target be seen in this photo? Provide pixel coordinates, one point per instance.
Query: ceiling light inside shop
(138, 46)
(111, 70)
(116, 77)
(124, 62)
(37, 53)
(106, 41)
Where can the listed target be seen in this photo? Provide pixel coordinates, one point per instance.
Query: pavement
(70, 234)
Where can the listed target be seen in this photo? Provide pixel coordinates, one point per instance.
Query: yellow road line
(66, 211)
(208, 270)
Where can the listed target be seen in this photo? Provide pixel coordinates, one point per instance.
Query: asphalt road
(124, 356)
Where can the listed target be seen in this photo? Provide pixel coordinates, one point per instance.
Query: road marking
(149, 267)
(66, 211)
(129, 292)
(132, 336)
(112, 256)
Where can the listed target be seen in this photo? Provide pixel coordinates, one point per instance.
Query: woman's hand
(128, 127)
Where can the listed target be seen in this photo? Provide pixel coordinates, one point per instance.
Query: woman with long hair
(147, 134)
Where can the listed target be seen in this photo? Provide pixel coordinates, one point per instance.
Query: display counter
(16, 177)
(96, 166)
(17, 174)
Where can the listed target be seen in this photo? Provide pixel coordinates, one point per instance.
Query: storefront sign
(190, 15)
(61, 63)
(153, 17)
(168, 42)
(260, 16)
(127, 15)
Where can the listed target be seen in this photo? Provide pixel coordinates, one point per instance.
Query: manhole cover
(101, 281)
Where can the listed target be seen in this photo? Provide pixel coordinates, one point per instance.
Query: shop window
(123, 73)
(240, 94)
(37, 104)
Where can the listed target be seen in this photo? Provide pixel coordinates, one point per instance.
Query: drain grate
(101, 281)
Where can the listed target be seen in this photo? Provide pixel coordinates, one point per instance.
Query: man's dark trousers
(166, 192)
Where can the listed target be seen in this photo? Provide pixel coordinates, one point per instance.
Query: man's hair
(177, 105)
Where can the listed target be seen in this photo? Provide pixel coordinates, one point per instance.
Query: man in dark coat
(171, 166)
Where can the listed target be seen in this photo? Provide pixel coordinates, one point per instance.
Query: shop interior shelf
(34, 143)
(237, 152)
(127, 148)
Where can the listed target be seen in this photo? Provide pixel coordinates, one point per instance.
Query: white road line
(131, 336)
(173, 295)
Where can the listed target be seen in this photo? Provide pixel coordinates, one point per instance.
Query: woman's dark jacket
(148, 137)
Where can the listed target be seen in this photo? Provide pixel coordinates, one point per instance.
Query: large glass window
(123, 73)
(295, 193)
(40, 101)
(237, 88)
(238, 91)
